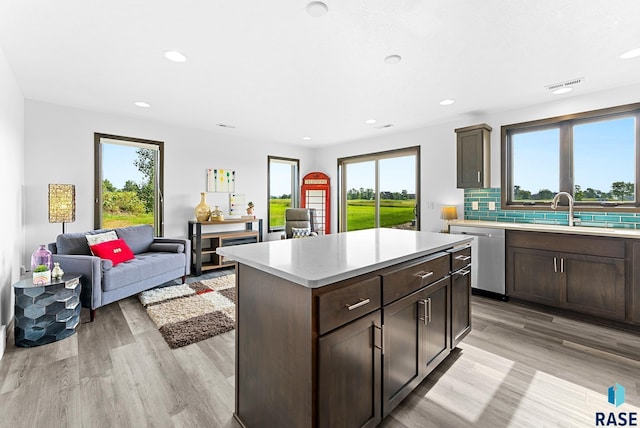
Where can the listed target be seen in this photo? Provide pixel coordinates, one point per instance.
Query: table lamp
(62, 203)
(448, 213)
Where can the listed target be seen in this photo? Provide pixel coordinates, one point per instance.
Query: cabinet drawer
(345, 304)
(577, 244)
(413, 276)
(460, 257)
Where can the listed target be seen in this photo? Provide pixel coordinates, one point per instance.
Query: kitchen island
(336, 330)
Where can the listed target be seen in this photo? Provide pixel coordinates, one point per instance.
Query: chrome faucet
(554, 204)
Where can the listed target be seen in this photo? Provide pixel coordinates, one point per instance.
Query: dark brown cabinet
(460, 293)
(344, 354)
(473, 156)
(349, 368)
(460, 305)
(416, 332)
(581, 273)
(436, 322)
(533, 276)
(402, 345)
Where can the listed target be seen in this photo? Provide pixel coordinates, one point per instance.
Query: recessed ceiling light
(142, 104)
(633, 53)
(370, 121)
(393, 59)
(447, 102)
(317, 9)
(563, 90)
(175, 56)
(306, 138)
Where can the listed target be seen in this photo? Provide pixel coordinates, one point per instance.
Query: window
(592, 155)
(379, 190)
(128, 182)
(283, 189)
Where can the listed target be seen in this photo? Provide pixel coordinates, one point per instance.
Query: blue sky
(396, 174)
(603, 153)
(117, 164)
(280, 176)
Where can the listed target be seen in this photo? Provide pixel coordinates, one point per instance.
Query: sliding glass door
(379, 190)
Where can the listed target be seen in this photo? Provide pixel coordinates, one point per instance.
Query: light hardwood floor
(518, 368)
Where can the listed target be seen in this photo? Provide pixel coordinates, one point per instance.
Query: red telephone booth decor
(315, 195)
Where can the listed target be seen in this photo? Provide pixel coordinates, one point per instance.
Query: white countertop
(317, 261)
(574, 230)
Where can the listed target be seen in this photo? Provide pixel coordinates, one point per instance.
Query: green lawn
(110, 221)
(276, 211)
(360, 213)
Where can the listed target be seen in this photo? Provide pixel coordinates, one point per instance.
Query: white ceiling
(278, 74)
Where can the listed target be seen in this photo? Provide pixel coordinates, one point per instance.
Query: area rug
(189, 313)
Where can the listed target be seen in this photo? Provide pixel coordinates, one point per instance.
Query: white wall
(438, 148)
(11, 177)
(59, 149)
(59, 145)
(437, 167)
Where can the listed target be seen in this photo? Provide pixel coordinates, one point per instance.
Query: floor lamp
(62, 204)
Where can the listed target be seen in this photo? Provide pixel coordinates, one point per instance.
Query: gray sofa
(157, 260)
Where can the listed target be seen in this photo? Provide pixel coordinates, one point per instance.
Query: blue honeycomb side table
(46, 313)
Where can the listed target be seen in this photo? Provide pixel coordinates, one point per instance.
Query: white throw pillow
(300, 232)
(99, 238)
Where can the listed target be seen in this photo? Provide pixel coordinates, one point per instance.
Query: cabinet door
(472, 144)
(402, 335)
(460, 305)
(594, 285)
(436, 325)
(533, 275)
(349, 374)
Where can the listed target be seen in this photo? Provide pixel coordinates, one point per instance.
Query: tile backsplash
(624, 220)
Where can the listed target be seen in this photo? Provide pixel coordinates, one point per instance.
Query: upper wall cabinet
(473, 156)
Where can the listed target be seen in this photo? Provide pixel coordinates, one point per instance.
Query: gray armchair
(297, 218)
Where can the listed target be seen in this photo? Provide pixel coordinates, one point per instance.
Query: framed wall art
(221, 180)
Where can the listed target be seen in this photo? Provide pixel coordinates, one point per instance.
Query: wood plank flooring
(519, 367)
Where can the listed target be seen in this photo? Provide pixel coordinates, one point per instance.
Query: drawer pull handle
(424, 275)
(463, 272)
(362, 302)
(463, 258)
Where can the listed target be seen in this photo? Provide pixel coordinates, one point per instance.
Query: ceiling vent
(388, 125)
(224, 125)
(568, 83)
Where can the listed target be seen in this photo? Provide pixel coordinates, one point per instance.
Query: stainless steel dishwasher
(488, 259)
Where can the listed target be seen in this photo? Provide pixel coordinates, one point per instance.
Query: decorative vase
(203, 211)
(217, 214)
(56, 272)
(41, 256)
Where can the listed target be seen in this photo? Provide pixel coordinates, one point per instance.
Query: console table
(46, 313)
(203, 244)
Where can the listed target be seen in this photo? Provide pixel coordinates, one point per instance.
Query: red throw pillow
(117, 251)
